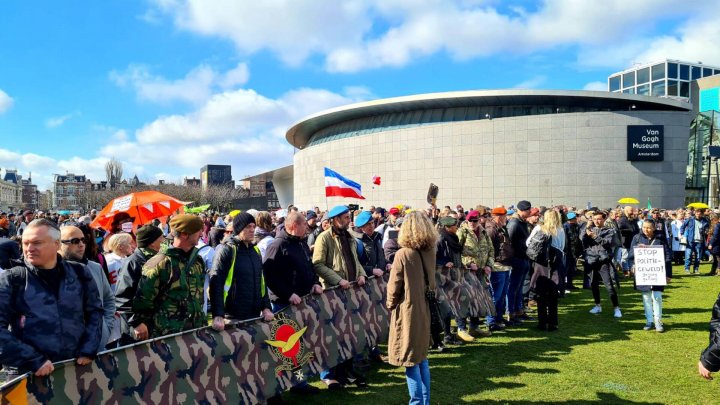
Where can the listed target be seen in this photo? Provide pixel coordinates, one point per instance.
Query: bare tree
(113, 172)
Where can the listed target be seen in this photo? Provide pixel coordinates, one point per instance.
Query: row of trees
(219, 198)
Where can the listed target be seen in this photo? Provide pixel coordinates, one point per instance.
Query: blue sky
(167, 86)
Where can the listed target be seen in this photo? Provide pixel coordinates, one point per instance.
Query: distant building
(264, 185)
(67, 189)
(45, 200)
(665, 78)
(11, 191)
(193, 182)
(216, 175)
(29, 193)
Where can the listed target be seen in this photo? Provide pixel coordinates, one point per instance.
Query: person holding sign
(646, 261)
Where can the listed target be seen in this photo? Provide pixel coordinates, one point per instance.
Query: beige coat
(409, 310)
(328, 259)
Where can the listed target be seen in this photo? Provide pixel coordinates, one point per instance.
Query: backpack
(538, 248)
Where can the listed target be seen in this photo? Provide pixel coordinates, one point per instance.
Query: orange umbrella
(143, 206)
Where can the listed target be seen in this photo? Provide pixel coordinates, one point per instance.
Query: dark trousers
(603, 271)
(571, 270)
(547, 302)
(715, 259)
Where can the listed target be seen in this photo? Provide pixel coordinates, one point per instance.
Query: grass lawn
(592, 359)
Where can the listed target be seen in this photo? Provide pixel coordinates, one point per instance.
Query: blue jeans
(500, 284)
(698, 248)
(418, 381)
(520, 269)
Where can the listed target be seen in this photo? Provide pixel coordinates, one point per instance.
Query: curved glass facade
(399, 120)
(702, 182)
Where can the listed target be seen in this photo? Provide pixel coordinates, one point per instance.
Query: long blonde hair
(551, 222)
(417, 232)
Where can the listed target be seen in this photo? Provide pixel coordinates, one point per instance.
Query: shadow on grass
(603, 398)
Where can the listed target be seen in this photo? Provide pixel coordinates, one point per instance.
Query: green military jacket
(328, 259)
(170, 295)
(476, 250)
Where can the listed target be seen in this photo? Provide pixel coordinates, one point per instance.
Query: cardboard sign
(650, 266)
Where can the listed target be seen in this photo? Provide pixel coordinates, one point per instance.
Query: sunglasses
(74, 241)
(473, 220)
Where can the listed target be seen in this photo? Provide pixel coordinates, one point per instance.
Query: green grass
(592, 359)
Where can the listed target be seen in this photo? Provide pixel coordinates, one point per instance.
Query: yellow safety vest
(228, 280)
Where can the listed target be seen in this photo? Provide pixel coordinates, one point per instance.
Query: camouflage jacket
(170, 296)
(476, 250)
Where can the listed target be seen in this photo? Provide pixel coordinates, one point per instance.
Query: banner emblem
(287, 345)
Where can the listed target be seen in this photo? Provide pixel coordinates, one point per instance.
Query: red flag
(376, 180)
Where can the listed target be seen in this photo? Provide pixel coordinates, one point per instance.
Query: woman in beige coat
(409, 310)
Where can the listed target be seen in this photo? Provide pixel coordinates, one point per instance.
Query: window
(643, 89)
(658, 88)
(716, 72)
(643, 75)
(672, 89)
(614, 83)
(658, 72)
(672, 72)
(696, 72)
(707, 72)
(629, 79)
(684, 89)
(684, 72)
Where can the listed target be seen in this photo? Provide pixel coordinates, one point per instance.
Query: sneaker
(648, 326)
(659, 328)
(452, 340)
(617, 313)
(687, 271)
(465, 336)
(496, 327)
(480, 333)
(596, 309)
(526, 317)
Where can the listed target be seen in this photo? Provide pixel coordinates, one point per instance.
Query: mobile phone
(393, 234)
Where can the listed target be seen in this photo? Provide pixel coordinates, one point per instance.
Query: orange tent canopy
(143, 207)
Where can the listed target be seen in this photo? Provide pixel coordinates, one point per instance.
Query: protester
(27, 217)
(170, 292)
(412, 274)
(336, 263)
(713, 247)
(598, 245)
(500, 275)
(652, 295)
(572, 232)
(548, 268)
(263, 232)
(72, 247)
(694, 232)
(120, 245)
(39, 322)
(678, 248)
(710, 357)
(448, 263)
(518, 231)
(628, 226)
(149, 241)
(9, 252)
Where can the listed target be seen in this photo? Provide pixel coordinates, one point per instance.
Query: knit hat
(310, 215)
(524, 205)
(147, 234)
(186, 223)
(242, 220)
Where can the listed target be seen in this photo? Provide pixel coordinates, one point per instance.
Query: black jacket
(628, 229)
(288, 268)
(519, 233)
(710, 357)
(9, 250)
(45, 326)
(248, 295)
(372, 255)
(715, 240)
(127, 283)
(599, 249)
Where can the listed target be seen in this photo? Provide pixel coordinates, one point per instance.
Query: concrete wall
(572, 159)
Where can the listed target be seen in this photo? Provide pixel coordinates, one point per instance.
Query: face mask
(127, 227)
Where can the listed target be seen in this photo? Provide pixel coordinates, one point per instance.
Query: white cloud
(695, 41)
(5, 101)
(596, 86)
(196, 87)
(531, 83)
(356, 36)
(55, 122)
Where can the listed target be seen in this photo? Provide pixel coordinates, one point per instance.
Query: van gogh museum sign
(645, 143)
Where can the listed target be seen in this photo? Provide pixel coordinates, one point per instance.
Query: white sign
(650, 266)
(121, 203)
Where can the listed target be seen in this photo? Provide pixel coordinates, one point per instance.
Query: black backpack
(538, 248)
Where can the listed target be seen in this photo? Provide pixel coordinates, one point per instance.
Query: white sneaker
(596, 309)
(617, 314)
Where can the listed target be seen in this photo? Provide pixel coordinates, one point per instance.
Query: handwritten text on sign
(650, 265)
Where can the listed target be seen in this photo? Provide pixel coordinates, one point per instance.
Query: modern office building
(498, 147)
(667, 78)
(216, 175)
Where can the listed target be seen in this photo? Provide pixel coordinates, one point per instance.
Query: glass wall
(670, 79)
(702, 170)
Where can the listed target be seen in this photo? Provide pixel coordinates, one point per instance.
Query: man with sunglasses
(72, 247)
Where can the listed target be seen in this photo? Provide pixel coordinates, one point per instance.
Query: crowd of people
(109, 288)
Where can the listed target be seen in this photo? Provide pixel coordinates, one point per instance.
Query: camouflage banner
(463, 296)
(246, 363)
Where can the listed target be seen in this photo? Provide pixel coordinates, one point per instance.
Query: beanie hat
(242, 220)
(147, 234)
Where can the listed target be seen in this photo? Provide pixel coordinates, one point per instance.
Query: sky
(168, 86)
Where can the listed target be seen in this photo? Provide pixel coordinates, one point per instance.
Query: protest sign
(650, 266)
